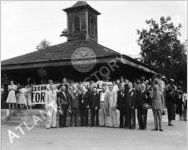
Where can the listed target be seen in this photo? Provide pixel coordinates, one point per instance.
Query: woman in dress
(28, 96)
(11, 99)
(22, 98)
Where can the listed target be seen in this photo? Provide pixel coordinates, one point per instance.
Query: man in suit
(74, 105)
(51, 106)
(121, 105)
(157, 106)
(94, 100)
(130, 98)
(84, 106)
(112, 102)
(171, 101)
(63, 103)
(103, 105)
(142, 100)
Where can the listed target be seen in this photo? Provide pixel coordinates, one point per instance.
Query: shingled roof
(60, 52)
(61, 55)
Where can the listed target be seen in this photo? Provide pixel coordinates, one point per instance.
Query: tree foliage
(161, 48)
(43, 44)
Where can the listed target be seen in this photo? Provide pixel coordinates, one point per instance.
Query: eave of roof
(60, 54)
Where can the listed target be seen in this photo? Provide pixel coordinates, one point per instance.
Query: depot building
(80, 58)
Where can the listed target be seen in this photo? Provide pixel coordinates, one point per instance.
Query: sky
(24, 24)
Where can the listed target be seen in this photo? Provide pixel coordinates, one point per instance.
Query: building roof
(80, 5)
(59, 55)
(61, 51)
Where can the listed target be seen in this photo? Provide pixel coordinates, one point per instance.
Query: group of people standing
(19, 96)
(117, 103)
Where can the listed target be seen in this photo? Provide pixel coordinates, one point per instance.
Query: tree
(43, 44)
(161, 48)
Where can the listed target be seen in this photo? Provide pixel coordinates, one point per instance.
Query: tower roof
(81, 5)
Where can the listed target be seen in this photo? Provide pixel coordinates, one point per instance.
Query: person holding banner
(63, 103)
(28, 96)
(51, 106)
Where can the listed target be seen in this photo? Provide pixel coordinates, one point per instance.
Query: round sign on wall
(83, 59)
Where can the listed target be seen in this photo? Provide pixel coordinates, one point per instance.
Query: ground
(99, 138)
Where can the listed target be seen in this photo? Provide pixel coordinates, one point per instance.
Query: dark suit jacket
(131, 98)
(63, 101)
(121, 100)
(83, 100)
(74, 102)
(142, 98)
(94, 100)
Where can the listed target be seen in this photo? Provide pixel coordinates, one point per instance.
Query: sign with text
(38, 93)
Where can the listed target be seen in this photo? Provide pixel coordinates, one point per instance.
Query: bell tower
(81, 22)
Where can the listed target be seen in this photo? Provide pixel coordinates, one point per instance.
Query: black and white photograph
(93, 75)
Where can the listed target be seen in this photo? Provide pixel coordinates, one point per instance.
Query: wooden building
(57, 61)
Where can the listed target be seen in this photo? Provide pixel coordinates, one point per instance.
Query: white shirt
(102, 96)
(115, 87)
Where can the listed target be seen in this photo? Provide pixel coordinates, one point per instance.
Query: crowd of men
(117, 103)
(123, 96)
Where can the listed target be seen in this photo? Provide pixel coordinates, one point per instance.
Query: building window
(83, 23)
(76, 24)
(91, 25)
(70, 27)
